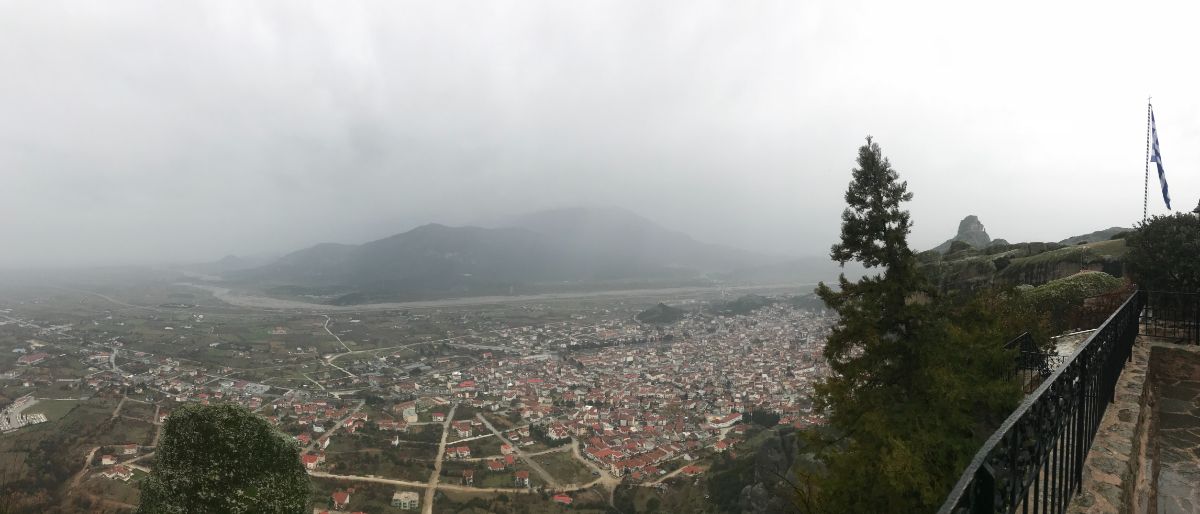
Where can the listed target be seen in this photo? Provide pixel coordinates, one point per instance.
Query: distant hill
(807, 301)
(427, 261)
(660, 314)
(1099, 235)
(547, 251)
(742, 305)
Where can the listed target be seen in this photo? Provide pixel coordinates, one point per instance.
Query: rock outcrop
(1099, 235)
(970, 231)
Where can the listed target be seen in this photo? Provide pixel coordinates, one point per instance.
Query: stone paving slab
(1175, 377)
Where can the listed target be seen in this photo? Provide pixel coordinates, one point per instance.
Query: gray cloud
(152, 131)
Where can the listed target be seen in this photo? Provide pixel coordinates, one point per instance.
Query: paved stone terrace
(1146, 455)
(1175, 377)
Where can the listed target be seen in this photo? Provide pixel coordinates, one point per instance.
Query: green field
(485, 447)
(53, 409)
(565, 468)
(371, 453)
(456, 502)
(140, 410)
(498, 479)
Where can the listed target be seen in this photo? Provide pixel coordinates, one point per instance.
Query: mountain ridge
(559, 248)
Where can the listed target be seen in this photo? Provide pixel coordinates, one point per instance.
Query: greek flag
(1156, 158)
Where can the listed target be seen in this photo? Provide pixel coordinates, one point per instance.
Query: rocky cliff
(970, 231)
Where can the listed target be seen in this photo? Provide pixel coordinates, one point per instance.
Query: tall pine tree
(916, 380)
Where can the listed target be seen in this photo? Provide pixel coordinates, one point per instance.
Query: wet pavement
(1175, 375)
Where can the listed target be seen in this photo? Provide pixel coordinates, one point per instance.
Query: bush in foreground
(1163, 250)
(224, 458)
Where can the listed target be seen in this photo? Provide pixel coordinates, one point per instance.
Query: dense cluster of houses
(615, 398)
(641, 399)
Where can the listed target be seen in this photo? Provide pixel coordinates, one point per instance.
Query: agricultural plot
(485, 447)
(374, 455)
(53, 409)
(564, 467)
(138, 410)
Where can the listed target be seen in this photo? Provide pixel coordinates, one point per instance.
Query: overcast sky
(138, 132)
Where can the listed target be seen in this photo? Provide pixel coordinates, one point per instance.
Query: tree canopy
(916, 378)
(224, 458)
(1163, 253)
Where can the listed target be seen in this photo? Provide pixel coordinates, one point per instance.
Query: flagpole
(1146, 179)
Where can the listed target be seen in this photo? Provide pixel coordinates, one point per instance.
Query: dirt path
(552, 450)
(546, 477)
(446, 487)
(310, 379)
(606, 479)
(157, 426)
(138, 458)
(665, 477)
(409, 483)
(87, 463)
(431, 487)
(335, 336)
(339, 424)
(117, 411)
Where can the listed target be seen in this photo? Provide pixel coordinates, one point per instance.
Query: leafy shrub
(1163, 253)
(224, 458)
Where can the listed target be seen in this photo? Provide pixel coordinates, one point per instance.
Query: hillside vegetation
(1071, 290)
(742, 305)
(1007, 265)
(1099, 235)
(662, 314)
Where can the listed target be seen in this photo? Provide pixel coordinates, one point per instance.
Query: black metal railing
(1173, 316)
(1031, 364)
(1095, 309)
(1034, 461)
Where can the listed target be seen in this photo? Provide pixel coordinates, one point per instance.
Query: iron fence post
(985, 491)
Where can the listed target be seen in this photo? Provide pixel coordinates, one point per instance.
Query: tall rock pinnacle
(970, 231)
